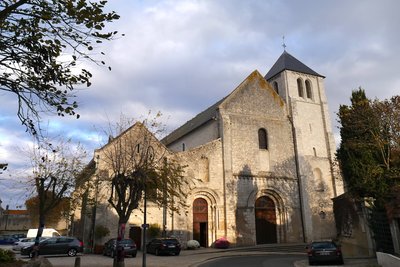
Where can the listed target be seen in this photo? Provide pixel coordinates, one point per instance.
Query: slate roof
(189, 126)
(284, 62)
(288, 62)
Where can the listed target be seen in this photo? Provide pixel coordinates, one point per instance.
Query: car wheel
(310, 263)
(177, 253)
(157, 252)
(31, 254)
(134, 255)
(72, 252)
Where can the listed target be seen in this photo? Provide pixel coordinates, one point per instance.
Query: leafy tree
(369, 159)
(41, 44)
(370, 146)
(139, 164)
(53, 216)
(55, 167)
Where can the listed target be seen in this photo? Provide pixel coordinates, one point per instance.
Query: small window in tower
(300, 87)
(276, 88)
(308, 89)
(183, 147)
(315, 151)
(262, 139)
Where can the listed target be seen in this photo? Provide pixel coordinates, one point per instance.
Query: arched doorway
(265, 220)
(200, 221)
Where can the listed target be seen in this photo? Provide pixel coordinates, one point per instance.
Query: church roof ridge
(288, 62)
(200, 119)
(193, 123)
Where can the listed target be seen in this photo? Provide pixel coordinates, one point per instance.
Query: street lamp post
(144, 225)
(149, 156)
(95, 204)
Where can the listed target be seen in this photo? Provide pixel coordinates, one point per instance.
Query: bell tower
(303, 91)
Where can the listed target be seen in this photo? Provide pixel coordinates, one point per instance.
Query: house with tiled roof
(14, 220)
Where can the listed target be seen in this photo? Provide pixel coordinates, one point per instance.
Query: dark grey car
(325, 251)
(160, 246)
(56, 245)
(128, 245)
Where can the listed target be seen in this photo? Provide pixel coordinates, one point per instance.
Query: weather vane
(283, 43)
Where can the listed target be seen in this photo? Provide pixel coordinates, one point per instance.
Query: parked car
(128, 245)
(56, 245)
(160, 246)
(7, 240)
(18, 236)
(221, 243)
(25, 242)
(325, 251)
(47, 232)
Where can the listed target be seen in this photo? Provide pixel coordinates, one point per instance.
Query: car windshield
(170, 241)
(126, 241)
(323, 245)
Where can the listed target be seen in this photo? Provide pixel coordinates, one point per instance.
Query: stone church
(263, 161)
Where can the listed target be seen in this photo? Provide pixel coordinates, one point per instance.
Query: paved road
(198, 258)
(187, 258)
(254, 261)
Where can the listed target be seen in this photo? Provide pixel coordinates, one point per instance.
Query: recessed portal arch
(265, 219)
(200, 221)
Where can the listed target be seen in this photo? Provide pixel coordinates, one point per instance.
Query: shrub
(101, 231)
(192, 244)
(154, 230)
(6, 256)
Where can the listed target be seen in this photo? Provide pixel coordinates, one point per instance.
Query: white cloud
(179, 57)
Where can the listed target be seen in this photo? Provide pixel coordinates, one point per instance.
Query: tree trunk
(119, 260)
(39, 233)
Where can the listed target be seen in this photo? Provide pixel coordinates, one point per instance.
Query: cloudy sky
(179, 57)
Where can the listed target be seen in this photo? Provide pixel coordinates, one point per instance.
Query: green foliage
(154, 230)
(41, 44)
(6, 256)
(101, 231)
(369, 149)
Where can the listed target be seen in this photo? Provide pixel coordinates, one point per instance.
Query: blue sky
(179, 57)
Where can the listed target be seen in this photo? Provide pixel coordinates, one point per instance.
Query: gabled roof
(288, 62)
(203, 117)
(189, 126)
(284, 62)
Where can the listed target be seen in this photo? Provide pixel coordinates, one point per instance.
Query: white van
(47, 232)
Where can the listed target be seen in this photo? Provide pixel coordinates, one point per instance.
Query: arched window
(308, 89)
(276, 88)
(300, 87)
(319, 182)
(262, 139)
(183, 147)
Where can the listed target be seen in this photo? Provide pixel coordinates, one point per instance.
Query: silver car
(25, 242)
